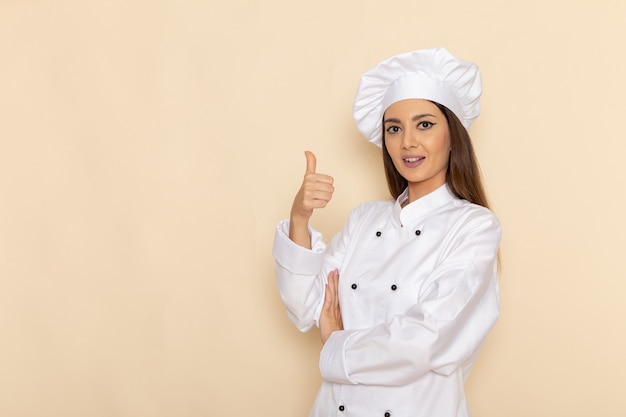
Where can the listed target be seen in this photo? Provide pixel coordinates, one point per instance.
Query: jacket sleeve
(298, 274)
(456, 308)
(302, 273)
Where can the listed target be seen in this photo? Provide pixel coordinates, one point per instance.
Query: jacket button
(418, 232)
(394, 287)
(379, 234)
(354, 286)
(387, 414)
(342, 408)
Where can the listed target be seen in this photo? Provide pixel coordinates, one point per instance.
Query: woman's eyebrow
(415, 118)
(421, 116)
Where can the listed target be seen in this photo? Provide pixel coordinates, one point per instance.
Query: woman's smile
(413, 161)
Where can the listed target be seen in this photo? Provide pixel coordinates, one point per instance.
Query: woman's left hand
(330, 318)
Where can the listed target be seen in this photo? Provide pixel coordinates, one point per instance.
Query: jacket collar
(421, 207)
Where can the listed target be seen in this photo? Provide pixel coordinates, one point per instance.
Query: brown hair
(463, 174)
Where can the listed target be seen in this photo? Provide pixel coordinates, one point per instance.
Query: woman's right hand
(315, 192)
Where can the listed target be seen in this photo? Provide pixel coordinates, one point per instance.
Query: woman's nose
(409, 140)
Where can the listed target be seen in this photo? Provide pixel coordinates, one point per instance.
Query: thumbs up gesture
(315, 192)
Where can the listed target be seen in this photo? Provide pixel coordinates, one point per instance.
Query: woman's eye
(393, 129)
(425, 125)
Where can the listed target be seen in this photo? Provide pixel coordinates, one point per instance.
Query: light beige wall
(147, 150)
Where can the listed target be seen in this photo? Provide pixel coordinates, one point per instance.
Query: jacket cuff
(293, 257)
(333, 358)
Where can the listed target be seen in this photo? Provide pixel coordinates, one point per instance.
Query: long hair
(463, 174)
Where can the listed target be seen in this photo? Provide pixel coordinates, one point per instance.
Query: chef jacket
(418, 293)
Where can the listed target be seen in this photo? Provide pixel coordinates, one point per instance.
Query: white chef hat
(430, 74)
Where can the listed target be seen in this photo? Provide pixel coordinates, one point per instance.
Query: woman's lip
(412, 161)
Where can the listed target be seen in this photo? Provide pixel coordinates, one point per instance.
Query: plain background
(148, 148)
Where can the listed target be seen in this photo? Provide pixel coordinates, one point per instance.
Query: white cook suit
(418, 293)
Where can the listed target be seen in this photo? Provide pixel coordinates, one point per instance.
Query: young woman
(418, 291)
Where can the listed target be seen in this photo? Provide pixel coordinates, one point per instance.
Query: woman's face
(418, 140)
